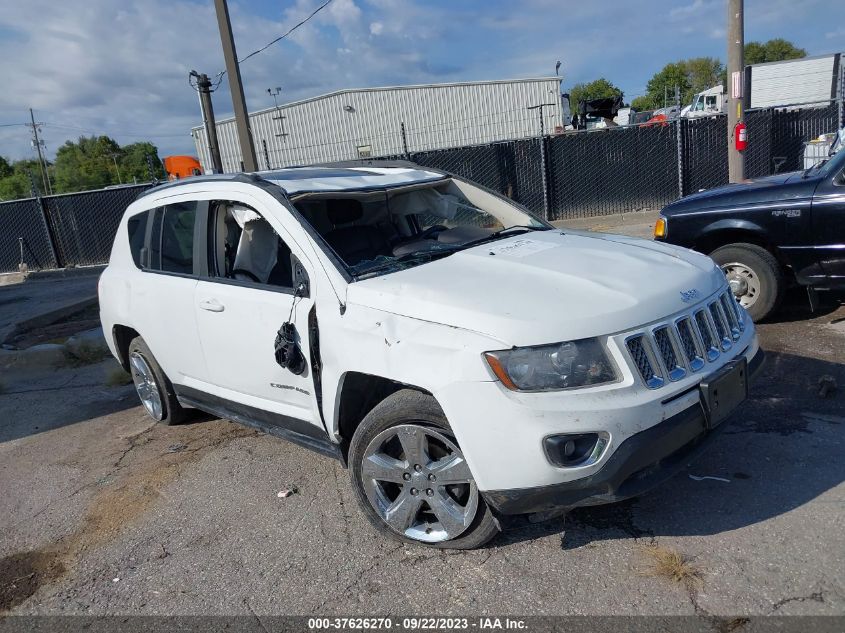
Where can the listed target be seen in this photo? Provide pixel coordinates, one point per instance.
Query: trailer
(806, 81)
(390, 121)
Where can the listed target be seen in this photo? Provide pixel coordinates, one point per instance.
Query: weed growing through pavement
(669, 563)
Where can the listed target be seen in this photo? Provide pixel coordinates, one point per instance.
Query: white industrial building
(368, 122)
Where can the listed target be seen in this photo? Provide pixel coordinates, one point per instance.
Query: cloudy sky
(120, 67)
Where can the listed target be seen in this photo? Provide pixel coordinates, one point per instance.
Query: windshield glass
(380, 232)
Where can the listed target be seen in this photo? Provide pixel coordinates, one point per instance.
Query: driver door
(240, 307)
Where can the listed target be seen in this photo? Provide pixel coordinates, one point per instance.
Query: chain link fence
(613, 170)
(568, 175)
(511, 167)
(24, 236)
(74, 229)
(776, 140)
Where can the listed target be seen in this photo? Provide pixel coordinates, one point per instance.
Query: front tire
(754, 276)
(152, 385)
(411, 479)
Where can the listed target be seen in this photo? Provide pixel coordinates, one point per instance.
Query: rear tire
(152, 385)
(401, 457)
(754, 276)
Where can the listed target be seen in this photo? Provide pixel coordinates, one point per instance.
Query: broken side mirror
(301, 285)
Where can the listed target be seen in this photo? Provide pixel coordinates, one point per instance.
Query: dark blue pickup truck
(768, 233)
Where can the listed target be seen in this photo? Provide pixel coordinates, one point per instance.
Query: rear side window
(172, 238)
(137, 227)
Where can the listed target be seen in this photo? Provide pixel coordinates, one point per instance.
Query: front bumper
(640, 463)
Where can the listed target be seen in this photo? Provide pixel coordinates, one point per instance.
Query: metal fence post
(404, 140)
(544, 177)
(680, 157)
(51, 236)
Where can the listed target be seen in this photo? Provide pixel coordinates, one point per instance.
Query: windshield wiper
(500, 232)
(396, 262)
(812, 167)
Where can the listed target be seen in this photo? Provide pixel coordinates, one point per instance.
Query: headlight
(567, 365)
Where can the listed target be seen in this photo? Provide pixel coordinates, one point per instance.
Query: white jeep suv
(465, 359)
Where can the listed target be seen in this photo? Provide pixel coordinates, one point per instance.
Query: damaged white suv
(465, 359)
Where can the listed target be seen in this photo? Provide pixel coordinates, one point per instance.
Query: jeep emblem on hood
(689, 295)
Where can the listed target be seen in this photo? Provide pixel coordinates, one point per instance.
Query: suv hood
(545, 287)
(771, 189)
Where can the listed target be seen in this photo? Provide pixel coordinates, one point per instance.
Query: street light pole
(235, 86)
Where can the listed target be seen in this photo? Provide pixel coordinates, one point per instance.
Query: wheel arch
(122, 336)
(724, 233)
(358, 394)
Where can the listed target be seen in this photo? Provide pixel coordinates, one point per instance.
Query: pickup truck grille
(669, 351)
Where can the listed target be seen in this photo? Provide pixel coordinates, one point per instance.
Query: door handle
(212, 305)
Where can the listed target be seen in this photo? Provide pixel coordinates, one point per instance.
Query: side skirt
(285, 427)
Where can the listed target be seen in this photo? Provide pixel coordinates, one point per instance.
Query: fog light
(575, 449)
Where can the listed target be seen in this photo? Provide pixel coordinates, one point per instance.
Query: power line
(115, 132)
(278, 39)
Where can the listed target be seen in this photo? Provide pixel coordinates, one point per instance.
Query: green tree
(774, 50)
(5, 168)
(86, 164)
(641, 103)
(599, 89)
(133, 163)
(16, 182)
(689, 75)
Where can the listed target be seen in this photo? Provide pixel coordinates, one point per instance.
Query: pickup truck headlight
(567, 365)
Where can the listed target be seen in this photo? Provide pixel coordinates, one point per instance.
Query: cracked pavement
(103, 512)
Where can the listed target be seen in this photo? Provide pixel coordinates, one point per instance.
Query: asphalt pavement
(104, 512)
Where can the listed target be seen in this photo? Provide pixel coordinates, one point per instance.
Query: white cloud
(121, 68)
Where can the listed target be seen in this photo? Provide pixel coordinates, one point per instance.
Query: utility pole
(45, 179)
(736, 43)
(204, 90)
(235, 86)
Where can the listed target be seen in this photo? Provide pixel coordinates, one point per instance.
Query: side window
(243, 246)
(172, 238)
(137, 228)
(177, 238)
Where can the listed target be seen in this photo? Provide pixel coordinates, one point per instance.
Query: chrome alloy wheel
(145, 385)
(744, 283)
(419, 483)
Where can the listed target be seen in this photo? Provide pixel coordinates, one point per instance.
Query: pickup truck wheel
(754, 277)
(411, 479)
(153, 387)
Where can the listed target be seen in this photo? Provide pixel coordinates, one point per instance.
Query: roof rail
(238, 177)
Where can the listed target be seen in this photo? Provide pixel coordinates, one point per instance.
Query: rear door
(829, 227)
(246, 297)
(162, 294)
